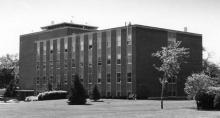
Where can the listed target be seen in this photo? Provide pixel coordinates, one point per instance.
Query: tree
(8, 68)
(95, 93)
(11, 89)
(197, 82)
(171, 58)
(210, 68)
(77, 94)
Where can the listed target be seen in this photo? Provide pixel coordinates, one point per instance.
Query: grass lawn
(108, 109)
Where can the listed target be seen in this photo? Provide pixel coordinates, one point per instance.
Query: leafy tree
(77, 93)
(171, 57)
(8, 68)
(210, 68)
(95, 93)
(11, 89)
(197, 82)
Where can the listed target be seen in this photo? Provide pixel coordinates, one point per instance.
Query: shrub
(31, 98)
(52, 95)
(217, 101)
(197, 82)
(77, 94)
(204, 100)
(95, 93)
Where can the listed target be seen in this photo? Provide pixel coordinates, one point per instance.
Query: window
(129, 59)
(129, 37)
(74, 44)
(118, 75)
(99, 41)
(108, 77)
(73, 78)
(51, 77)
(65, 44)
(171, 38)
(108, 39)
(109, 59)
(129, 77)
(90, 44)
(119, 59)
(37, 67)
(118, 93)
(108, 94)
(73, 63)
(81, 64)
(38, 51)
(99, 77)
(81, 45)
(99, 80)
(37, 80)
(90, 77)
(99, 61)
(58, 49)
(118, 38)
(128, 42)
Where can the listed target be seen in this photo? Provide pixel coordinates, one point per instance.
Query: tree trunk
(161, 97)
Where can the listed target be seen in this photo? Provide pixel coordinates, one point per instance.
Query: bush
(77, 95)
(95, 93)
(52, 95)
(204, 100)
(197, 82)
(217, 101)
(31, 98)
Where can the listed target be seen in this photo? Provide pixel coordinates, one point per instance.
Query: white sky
(25, 16)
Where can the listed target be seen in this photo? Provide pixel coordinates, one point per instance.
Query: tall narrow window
(99, 40)
(171, 38)
(118, 59)
(108, 77)
(108, 39)
(109, 59)
(44, 51)
(58, 49)
(118, 75)
(99, 78)
(90, 44)
(65, 45)
(81, 43)
(99, 61)
(129, 36)
(129, 77)
(118, 38)
(38, 51)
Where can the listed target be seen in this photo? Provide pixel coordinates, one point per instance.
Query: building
(118, 60)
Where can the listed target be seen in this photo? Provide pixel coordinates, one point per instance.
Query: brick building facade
(117, 60)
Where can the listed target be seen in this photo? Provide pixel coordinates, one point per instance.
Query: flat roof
(65, 24)
(164, 29)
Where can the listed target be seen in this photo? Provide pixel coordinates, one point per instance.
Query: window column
(118, 62)
(108, 61)
(129, 60)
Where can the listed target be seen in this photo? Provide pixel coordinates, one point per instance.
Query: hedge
(52, 95)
